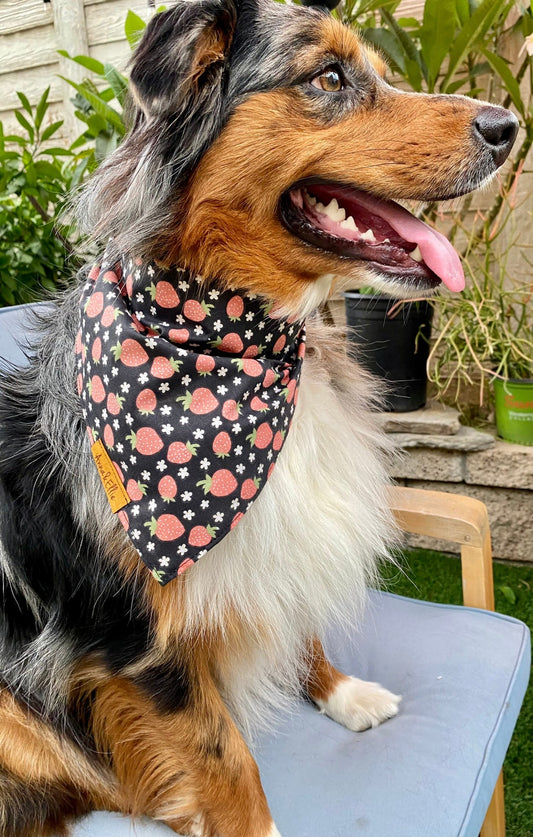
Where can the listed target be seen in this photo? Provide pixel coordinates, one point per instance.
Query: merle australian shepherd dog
(266, 153)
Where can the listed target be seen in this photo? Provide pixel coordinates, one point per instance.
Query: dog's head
(267, 149)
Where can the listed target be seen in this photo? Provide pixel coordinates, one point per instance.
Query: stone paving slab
(432, 420)
(504, 464)
(466, 439)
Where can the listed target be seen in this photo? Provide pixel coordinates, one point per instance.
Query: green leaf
(389, 45)
(25, 103)
(414, 73)
(86, 61)
(99, 106)
(511, 85)
(134, 28)
(57, 152)
(118, 82)
(21, 119)
(41, 109)
(508, 592)
(436, 36)
(51, 129)
(472, 32)
(463, 11)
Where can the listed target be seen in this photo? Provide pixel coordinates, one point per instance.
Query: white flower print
(204, 464)
(216, 422)
(97, 424)
(270, 454)
(125, 387)
(119, 329)
(150, 271)
(188, 514)
(186, 496)
(249, 334)
(119, 447)
(183, 286)
(182, 549)
(214, 294)
(164, 561)
(116, 424)
(260, 468)
(182, 473)
(239, 468)
(235, 504)
(222, 390)
(165, 410)
(135, 534)
(222, 372)
(150, 546)
(133, 459)
(143, 378)
(161, 465)
(184, 419)
(186, 380)
(204, 504)
(275, 421)
(150, 342)
(105, 379)
(251, 457)
(152, 505)
(135, 510)
(249, 317)
(167, 428)
(146, 475)
(128, 418)
(114, 371)
(218, 325)
(124, 466)
(104, 360)
(252, 419)
(236, 382)
(164, 387)
(238, 450)
(218, 517)
(236, 427)
(153, 310)
(105, 336)
(198, 330)
(199, 433)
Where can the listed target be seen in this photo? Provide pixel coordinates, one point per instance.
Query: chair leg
(494, 825)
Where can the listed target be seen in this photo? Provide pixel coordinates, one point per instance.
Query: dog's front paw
(358, 705)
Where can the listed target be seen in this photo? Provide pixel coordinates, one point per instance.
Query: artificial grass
(437, 577)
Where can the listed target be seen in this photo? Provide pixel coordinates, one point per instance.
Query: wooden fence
(31, 32)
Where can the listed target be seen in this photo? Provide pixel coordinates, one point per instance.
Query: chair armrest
(458, 519)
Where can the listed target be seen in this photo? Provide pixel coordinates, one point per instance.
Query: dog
(265, 155)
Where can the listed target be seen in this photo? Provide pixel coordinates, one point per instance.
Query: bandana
(188, 394)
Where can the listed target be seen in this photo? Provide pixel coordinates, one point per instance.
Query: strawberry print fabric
(192, 391)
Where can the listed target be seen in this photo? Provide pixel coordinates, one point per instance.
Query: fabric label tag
(116, 493)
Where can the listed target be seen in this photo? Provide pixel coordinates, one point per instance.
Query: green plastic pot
(514, 409)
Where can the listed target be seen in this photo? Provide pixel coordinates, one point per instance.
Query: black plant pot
(392, 342)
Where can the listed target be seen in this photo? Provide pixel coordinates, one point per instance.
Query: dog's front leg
(357, 704)
(188, 767)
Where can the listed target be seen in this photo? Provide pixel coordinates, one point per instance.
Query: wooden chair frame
(461, 520)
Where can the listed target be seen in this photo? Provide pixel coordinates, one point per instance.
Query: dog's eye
(329, 80)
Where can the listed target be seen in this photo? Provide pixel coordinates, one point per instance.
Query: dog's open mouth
(354, 224)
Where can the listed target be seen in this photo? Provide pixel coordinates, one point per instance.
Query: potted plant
(391, 340)
(485, 334)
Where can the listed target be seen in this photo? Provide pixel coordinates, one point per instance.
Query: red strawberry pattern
(192, 391)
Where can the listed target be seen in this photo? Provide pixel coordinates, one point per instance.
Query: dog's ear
(180, 60)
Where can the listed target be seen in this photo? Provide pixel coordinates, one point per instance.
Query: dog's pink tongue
(436, 250)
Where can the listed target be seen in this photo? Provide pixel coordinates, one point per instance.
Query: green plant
(487, 330)
(35, 178)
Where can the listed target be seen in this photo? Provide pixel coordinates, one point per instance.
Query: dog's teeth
(386, 241)
(369, 236)
(416, 254)
(311, 200)
(349, 224)
(334, 211)
(320, 207)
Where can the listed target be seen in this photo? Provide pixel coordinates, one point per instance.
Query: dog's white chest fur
(306, 550)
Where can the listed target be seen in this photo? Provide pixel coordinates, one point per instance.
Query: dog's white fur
(304, 553)
(358, 704)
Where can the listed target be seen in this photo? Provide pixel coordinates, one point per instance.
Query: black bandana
(188, 394)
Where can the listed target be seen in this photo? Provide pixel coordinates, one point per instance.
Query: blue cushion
(19, 329)
(429, 771)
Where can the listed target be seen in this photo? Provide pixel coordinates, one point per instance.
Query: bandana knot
(188, 393)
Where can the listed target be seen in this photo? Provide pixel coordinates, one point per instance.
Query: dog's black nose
(497, 129)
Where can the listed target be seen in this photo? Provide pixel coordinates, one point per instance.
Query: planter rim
(519, 381)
